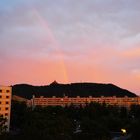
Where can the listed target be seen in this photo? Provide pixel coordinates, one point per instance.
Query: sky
(70, 41)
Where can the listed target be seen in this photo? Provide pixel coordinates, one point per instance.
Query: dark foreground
(93, 122)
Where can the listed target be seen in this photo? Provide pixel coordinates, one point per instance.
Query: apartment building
(66, 101)
(5, 103)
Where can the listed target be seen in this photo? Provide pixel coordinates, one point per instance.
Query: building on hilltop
(5, 103)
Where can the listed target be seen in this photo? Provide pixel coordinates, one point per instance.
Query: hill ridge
(72, 90)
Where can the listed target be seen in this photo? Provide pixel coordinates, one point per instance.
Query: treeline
(71, 90)
(93, 122)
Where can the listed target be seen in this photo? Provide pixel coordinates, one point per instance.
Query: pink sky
(70, 41)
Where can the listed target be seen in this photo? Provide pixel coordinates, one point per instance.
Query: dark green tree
(3, 126)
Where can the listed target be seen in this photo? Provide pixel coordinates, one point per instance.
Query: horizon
(70, 41)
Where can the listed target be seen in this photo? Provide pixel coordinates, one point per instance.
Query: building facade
(5, 103)
(66, 101)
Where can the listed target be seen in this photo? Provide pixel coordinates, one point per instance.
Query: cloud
(100, 38)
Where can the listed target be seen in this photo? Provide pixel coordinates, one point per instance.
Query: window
(0, 96)
(7, 91)
(7, 97)
(0, 102)
(0, 90)
(6, 114)
(6, 108)
(7, 102)
(0, 108)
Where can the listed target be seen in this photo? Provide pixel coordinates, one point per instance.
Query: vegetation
(71, 90)
(3, 127)
(93, 122)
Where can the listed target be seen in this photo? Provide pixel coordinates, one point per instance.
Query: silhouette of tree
(3, 126)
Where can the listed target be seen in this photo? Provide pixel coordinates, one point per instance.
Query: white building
(5, 103)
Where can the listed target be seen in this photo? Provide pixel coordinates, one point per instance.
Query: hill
(71, 90)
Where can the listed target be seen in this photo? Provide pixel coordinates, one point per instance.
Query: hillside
(71, 90)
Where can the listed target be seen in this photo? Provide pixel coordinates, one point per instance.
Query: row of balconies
(83, 100)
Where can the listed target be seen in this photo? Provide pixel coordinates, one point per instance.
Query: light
(123, 131)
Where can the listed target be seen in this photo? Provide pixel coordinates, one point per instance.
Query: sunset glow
(70, 41)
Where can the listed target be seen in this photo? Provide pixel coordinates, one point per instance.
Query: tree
(91, 129)
(3, 126)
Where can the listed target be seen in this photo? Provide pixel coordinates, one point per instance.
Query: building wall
(58, 101)
(5, 103)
